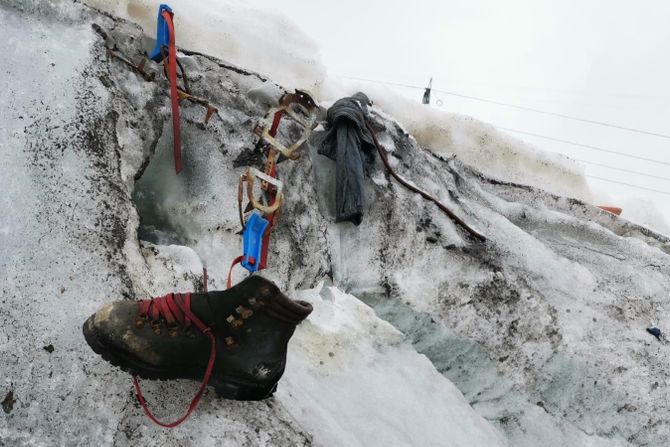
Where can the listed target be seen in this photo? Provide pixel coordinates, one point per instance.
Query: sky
(598, 60)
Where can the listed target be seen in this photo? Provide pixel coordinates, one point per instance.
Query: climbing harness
(303, 110)
(382, 153)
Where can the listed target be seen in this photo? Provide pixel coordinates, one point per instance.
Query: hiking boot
(173, 337)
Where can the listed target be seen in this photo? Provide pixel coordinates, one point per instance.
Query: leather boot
(171, 337)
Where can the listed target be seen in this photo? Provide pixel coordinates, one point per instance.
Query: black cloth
(348, 142)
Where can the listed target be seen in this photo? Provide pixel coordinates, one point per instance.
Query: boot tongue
(202, 308)
(214, 307)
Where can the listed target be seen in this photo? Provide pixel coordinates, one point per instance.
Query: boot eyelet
(156, 328)
(256, 303)
(244, 312)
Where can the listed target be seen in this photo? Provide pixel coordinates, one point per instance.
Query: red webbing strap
(275, 123)
(265, 245)
(174, 97)
(186, 309)
(204, 279)
(229, 281)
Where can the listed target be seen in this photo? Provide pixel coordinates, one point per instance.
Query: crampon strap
(176, 308)
(229, 280)
(174, 96)
(271, 198)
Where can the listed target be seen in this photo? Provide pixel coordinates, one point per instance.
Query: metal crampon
(184, 93)
(260, 204)
(302, 109)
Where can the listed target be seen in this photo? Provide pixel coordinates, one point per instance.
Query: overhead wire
(667, 179)
(516, 106)
(596, 148)
(629, 184)
(561, 115)
(588, 146)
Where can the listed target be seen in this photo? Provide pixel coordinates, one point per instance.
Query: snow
(638, 209)
(345, 346)
(236, 31)
(536, 337)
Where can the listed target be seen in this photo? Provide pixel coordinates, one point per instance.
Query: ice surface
(541, 327)
(352, 381)
(521, 416)
(640, 210)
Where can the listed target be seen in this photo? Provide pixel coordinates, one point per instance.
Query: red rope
(174, 97)
(169, 307)
(275, 123)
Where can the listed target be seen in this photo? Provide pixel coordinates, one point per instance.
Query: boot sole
(226, 388)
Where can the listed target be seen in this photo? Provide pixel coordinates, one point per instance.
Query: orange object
(611, 209)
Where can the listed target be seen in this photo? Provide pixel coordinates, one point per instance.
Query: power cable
(558, 139)
(595, 148)
(629, 184)
(560, 115)
(515, 106)
(624, 170)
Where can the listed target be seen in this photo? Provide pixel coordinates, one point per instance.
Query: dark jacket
(348, 142)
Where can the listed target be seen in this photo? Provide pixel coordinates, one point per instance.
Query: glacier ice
(541, 328)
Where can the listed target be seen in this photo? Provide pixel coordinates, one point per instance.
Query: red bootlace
(176, 308)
